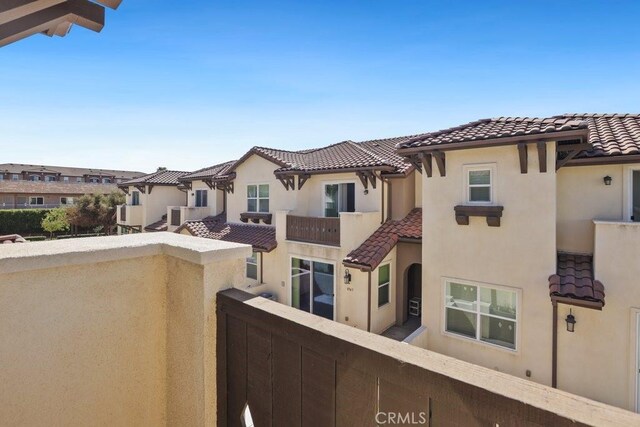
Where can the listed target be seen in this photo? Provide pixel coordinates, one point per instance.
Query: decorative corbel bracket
(302, 179)
(141, 188)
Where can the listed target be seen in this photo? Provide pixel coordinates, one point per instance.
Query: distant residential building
(39, 186)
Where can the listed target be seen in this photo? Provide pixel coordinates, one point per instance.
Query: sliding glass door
(312, 287)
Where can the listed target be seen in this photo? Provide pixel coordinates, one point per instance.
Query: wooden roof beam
(80, 12)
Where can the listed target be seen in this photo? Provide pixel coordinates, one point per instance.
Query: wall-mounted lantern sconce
(571, 322)
(607, 180)
(366, 191)
(347, 277)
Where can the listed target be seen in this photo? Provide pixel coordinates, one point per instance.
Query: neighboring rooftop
(18, 168)
(161, 177)
(574, 279)
(63, 188)
(208, 172)
(609, 134)
(347, 155)
(373, 251)
(12, 238)
(261, 237)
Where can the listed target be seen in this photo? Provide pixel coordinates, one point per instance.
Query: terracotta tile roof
(160, 225)
(373, 250)
(574, 279)
(208, 172)
(66, 171)
(261, 237)
(501, 127)
(41, 188)
(375, 154)
(12, 238)
(163, 177)
(611, 134)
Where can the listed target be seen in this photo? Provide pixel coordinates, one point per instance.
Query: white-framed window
(79, 179)
(95, 180)
(479, 183)
(65, 179)
(384, 280)
(339, 197)
(36, 200)
(49, 178)
(258, 198)
(252, 266)
(34, 177)
(66, 200)
(135, 198)
(634, 187)
(1, 177)
(201, 198)
(106, 180)
(15, 177)
(481, 312)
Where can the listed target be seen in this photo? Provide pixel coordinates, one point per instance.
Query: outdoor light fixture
(366, 191)
(347, 277)
(571, 322)
(607, 180)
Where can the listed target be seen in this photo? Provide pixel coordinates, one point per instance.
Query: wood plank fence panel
(294, 375)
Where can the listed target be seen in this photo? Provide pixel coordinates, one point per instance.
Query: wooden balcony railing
(324, 231)
(123, 213)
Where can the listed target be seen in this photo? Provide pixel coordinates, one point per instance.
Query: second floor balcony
(325, 231)
(177, 215)
(129, 214)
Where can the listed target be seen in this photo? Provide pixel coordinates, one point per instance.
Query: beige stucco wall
(84, 345)
(519, 254)
(155, 204)
(583, 197)
(112, 330)
(403, 197)
(598, 360)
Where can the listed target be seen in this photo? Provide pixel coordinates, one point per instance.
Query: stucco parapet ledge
(616, 223)
(60, 253)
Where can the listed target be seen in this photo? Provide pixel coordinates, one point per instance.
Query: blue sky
(186, 84)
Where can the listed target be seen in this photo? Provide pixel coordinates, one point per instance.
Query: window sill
(256, 217)
(492, 213)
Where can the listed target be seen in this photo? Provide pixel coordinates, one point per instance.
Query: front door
(312, 287)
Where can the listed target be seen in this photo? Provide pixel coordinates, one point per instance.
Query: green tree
(96, 211)
(55, 220)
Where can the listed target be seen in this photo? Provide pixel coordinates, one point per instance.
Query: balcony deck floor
(399, 333)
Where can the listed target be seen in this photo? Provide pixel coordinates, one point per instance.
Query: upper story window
(66, 200)
(36, 200)
(106, 180)
(135, 198)
(384, 278)
(78, 179)
(95, 180)
(201, 198)
(339, 198)
(258, 198)
(480, 184)
(482, 313)
(34, 177)
(65, 179)
(252, 266)
(49, 178)
(15, 177)
(1, 177)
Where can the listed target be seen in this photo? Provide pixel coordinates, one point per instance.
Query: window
(201, 198)
(258, 198)
(313, 287)
(95, 180)
(339, 198)
(252, 266)
(78, 179)
(66, 200)
(1, 177)
(34, 178)
(383, 284)
(635, 195)
(65, 179)
(479, 182)
(15, 177)
(106, 180)
(481, 313)
(36, 200)
(135, 198)
(49, 178)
